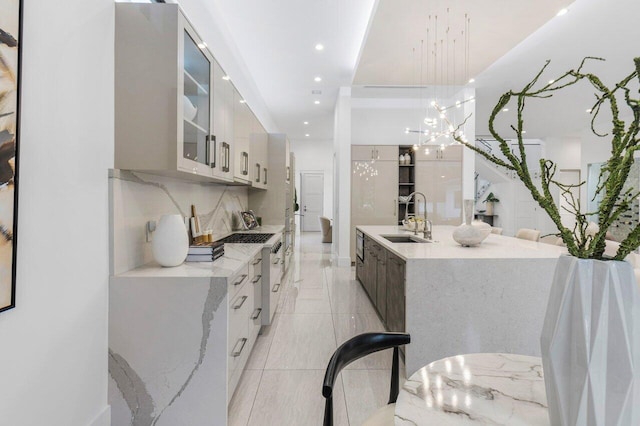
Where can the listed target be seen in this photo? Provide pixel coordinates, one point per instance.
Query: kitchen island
(457, 300)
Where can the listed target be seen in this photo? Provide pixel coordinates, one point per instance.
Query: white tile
(294, 398)
(306, 301)
(302, 341)
(242, 401)
(350, 325)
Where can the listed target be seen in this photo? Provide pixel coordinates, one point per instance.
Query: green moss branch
(613, 176)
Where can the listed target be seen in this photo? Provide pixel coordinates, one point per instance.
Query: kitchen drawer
(238, 281)
(257, 283)
(239, 341)
(255, 265)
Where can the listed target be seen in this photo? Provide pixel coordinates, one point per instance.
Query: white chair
(327, 229)
(496, 230)
(528, 234)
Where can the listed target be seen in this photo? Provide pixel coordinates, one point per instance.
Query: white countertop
(444, 247)
(235, 257)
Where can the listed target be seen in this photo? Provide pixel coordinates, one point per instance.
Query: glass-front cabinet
(195, 136)
(176, 110)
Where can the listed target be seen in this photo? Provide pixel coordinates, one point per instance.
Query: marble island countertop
(444, 247)
(235, 257)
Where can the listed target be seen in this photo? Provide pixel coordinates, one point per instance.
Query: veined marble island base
(460, 300)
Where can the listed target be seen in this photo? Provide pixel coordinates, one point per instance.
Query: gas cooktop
(246, 238)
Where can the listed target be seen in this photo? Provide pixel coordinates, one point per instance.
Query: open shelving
(406, 183)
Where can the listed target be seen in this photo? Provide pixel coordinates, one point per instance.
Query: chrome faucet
(426, 232)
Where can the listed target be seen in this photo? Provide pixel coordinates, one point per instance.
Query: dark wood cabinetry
(381, 281)
(396, 301)
(382, 275)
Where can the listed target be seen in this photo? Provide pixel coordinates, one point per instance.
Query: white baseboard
(104, 418)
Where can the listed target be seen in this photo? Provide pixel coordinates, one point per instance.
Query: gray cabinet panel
(396, 301)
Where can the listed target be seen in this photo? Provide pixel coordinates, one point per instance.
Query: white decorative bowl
(189, 110)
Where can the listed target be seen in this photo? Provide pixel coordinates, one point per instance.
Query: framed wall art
(10, 60)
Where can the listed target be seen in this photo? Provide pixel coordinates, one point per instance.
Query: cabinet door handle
(211, 150)
(258, 169)
(256, 313)
(256, 279)
(255, 262)
(245, 163)
(241, 342)
(239, 304)
(265, 176)
(395, 206)
(276, 288)
(241, 280)
(275, 262)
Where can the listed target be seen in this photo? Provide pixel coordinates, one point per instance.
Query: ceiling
(405, 33)
(276, 40)
(368, 42)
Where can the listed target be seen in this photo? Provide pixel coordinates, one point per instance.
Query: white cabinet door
(241, 146)
(374, 195)
(441, 183)
(222, 109)
(435, 153)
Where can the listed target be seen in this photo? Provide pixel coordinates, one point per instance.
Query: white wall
(342, 179)
(53, 345)
(315, 156)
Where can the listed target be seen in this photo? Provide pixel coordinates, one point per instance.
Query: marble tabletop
(475, 389)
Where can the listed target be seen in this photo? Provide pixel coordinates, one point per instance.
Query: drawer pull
(256, 314)
(256, 279)
(242, 342)
(282, 261)
(242, 300)
(256, 262)
(241, 280)
(276, 288)
(275, 262)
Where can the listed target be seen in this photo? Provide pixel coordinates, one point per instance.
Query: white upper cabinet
(374, 152)
(242, 118)
(259, 149)
(437, 153)
(163, 93)
(223, 108)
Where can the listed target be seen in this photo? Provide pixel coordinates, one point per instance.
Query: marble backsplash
(136, 198)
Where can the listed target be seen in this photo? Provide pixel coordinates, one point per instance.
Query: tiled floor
(321, 307)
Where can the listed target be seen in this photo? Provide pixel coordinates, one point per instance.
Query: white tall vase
(170, 243)
(591, 344)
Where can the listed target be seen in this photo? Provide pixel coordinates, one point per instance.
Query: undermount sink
(404, 238)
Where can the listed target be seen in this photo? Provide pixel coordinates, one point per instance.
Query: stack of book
(205, 252)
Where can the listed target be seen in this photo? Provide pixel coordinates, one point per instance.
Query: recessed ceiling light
(242, 101)
(471, 80)
(306, 134)
(505, 110)
(306, 122)
(319, 46)
(524, 131)
(202, 45)
(226, 77)
(563, 12)
(316, 102)
(317, 79)
(551, 81)
(589, 110)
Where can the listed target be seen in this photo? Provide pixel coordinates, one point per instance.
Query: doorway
(311, 200)
(569, 177)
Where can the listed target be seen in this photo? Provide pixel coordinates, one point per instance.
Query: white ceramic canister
(170, 243)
